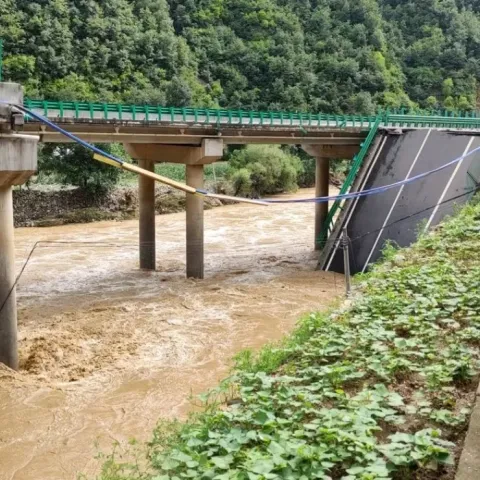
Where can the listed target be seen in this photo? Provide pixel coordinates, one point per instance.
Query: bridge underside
(398, 215)
(106, 131)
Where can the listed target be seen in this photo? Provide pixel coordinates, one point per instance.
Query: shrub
(74, 165)
(242, 182)
(263, 169)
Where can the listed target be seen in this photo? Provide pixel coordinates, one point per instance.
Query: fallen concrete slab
(397, 215)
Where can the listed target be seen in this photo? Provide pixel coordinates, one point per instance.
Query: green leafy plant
(263, 169)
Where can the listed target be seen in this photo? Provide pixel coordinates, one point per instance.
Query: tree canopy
(318, 55)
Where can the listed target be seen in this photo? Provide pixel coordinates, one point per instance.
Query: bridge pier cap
(18, 161)
(211, 150)
(18, 153)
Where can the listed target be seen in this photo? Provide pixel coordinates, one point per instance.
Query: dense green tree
(262, 169)
(74, 165)
(331, 55)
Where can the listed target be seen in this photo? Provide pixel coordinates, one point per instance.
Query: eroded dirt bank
(107, 350)
(48, 208)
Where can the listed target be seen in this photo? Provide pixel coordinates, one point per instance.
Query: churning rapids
(106, 350)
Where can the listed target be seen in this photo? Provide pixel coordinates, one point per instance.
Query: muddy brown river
(106, 350)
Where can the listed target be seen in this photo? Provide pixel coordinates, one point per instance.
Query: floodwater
(106, 350)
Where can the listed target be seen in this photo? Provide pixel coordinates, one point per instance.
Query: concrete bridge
(197, 136)
(193, 137)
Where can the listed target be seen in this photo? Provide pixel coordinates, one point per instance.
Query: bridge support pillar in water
(146, 196)
(18, 161)
(322, 175)
(195, 261)
(194, 158)
(323, 154)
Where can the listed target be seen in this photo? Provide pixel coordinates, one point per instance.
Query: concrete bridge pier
(323, 154)
(195, 234)
(146, 198)
(322, 175)
(194, 158)
(18, 161)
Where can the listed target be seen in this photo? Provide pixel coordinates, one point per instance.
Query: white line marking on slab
(440, 200)
(387, 218)
(350, 213)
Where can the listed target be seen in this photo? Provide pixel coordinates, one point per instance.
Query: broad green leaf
(222, 462)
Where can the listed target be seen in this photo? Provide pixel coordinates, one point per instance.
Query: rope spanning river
(106, 350)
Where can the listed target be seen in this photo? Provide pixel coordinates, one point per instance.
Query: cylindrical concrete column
(146, 197)
(195, 267)
(322, 172)
(18, 162)
(8, 309)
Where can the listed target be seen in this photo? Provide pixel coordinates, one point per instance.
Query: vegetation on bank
(379, 389)
(263, 169)
(47, 208)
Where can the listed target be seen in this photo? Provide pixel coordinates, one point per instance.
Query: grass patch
(381, 389)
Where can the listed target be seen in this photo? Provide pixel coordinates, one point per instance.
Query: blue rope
(76, 139)
(346, 196)
(374, 191)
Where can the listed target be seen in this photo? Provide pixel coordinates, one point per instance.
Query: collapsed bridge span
(399, 214)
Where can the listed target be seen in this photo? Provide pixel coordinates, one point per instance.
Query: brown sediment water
(106, 349)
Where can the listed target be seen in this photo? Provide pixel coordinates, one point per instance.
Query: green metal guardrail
(111, 111)
(357, 163)
(433, 121)
(168, 114)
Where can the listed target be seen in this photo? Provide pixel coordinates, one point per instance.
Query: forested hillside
(317, 55)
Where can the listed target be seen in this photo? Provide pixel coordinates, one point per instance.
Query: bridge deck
(105, 122)
(112, 131)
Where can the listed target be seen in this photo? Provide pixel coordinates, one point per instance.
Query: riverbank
(380, 389)
(50, 207)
